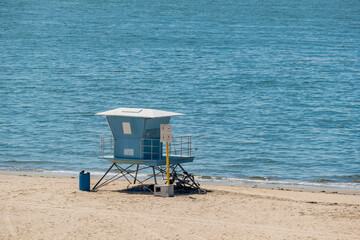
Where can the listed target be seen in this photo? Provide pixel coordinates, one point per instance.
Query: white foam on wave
(349, 185)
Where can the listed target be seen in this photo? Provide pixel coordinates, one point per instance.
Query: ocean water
(271, 89)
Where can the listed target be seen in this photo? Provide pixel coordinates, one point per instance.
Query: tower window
(126, 128)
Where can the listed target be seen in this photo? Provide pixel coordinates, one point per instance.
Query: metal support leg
(103, 177)
(154, 175)
(137, 169)
(125, 171)
(189, 180)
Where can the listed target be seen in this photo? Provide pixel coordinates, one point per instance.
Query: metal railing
(107, 145)
(152, 149)
(180, 146)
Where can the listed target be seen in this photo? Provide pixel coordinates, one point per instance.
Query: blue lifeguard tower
(135, 142)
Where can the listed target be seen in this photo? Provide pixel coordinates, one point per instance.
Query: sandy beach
(51, 207)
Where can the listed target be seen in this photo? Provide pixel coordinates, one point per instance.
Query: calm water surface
(271, 89)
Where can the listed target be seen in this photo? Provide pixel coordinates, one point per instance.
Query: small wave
(321, 180)
(268, 181)
(349, 177)
(30, 161)
(259, 178)
(19, 169)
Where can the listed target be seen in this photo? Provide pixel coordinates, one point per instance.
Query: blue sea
(270, 88)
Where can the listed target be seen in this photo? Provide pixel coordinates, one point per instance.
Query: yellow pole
(167, 163)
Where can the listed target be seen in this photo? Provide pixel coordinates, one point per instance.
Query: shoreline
(299, 188)
(40, 206)
(286, 185)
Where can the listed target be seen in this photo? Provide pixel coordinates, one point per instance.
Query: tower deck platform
(173, 159)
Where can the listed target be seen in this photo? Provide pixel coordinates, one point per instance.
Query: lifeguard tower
(135, 145)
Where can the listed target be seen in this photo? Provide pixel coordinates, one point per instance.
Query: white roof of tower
(138, 112)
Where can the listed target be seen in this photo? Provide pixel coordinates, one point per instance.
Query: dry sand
(52, 207)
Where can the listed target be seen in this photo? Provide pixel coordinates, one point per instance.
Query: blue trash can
(84, 181)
